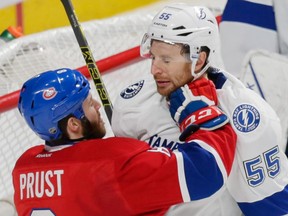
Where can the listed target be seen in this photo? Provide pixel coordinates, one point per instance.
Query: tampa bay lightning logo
(132, 90)
(246, 118)
(201, 14)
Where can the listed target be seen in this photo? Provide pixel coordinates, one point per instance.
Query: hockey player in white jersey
(181, 41)
(141, 112)
(249, 29)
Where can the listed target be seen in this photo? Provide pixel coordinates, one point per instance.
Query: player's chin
(164, 91)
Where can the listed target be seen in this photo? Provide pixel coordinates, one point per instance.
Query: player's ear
(201, 61)
(73, 126)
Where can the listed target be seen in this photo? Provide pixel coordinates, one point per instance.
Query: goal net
(114, 43)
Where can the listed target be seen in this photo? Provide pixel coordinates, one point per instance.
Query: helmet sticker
(132, 90)
(165, 16)
(52, 130)
(201, 14)
(246, 118)
(50, 93)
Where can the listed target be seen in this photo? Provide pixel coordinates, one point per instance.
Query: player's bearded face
(92, 130)
(170, 68)
(93, 125)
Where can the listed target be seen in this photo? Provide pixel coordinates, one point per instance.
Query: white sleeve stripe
(216, 156)
(182, 178)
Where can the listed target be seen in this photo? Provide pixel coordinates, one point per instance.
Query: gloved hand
(194, 106)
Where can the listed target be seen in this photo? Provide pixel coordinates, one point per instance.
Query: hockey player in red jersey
(182, 41)
(76, 172)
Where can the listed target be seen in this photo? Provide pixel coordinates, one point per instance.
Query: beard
(92, 130)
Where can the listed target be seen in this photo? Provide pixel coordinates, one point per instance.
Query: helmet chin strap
(199, 74)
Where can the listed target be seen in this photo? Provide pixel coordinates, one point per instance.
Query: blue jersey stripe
(250, 13)
(202, 173)
(275, 205)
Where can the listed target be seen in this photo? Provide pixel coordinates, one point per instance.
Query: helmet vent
(179, 28)
(84, 84)
(81, 85)
(211, 21)
(185, 34)
(20, 100)
(32, 104)
(32, 120)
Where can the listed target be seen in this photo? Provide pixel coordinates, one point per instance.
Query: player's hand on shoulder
(194, 106)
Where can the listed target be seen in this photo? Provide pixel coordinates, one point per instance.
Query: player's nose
(155, 68)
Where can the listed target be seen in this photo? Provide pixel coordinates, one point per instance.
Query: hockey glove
(193, 107)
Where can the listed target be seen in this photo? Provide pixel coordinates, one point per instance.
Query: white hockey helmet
(195, 26)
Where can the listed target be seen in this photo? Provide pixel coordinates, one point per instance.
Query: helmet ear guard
(180, 23)
(51, 96)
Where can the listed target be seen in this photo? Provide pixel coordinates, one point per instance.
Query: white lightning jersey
(259, 177)
(140, 112)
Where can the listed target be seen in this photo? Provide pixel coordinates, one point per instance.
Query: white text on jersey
(41, 183)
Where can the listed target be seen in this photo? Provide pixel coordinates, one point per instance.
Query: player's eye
(166, 60)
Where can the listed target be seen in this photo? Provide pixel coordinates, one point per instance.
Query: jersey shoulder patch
(246, 118)
(132, 90)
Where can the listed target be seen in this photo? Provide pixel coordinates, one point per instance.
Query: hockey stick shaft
(89, 59)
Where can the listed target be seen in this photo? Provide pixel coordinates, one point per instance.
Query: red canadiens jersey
(118, 176)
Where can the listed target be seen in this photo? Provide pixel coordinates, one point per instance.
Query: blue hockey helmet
(47, 98)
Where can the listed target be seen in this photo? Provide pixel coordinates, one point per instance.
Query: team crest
(132, 90)
(50, 93)
(201, 14)
(246, 118)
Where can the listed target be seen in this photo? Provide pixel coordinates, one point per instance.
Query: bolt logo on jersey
(246, 118)
(50, 93)
(132, 90)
